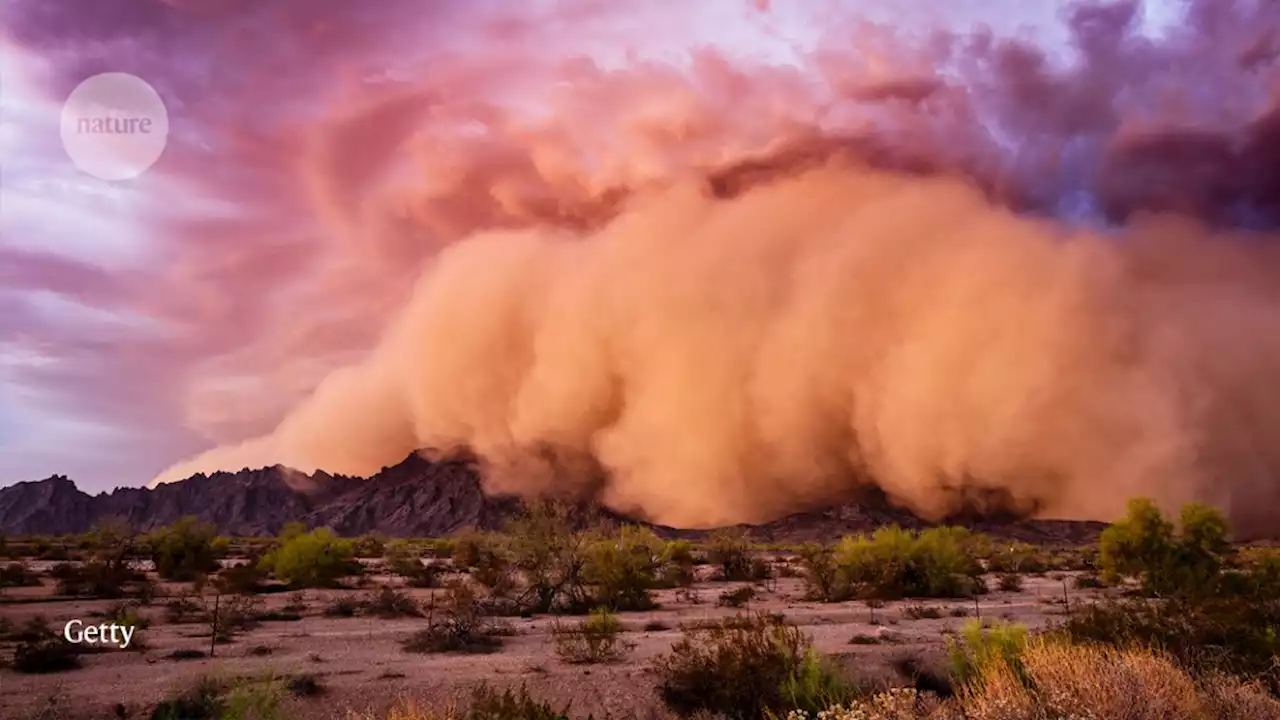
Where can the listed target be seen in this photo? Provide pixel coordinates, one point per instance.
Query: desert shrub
(622, 568)
(737, 597)
(1231, 634)
(823, 579)
(305, 685)
(470, 548)
(1058, 681)
(260, 699)
(489, 704)
(1052, 680)
(551, 558)
(405, 560)
(387, 602)
(185, 549)
(1087, 581)
(229, 615)
(314, 559)
(35, 628)
(240, 579)
(894, 563)
(487, 557)
(212, 699)
(1144, 545)
(17, 574)
(181, 610)
(187, 654)
(598, 639)
(678, 561)
(342, 607)
(456, 624)
(745, 668)
(732, 554)
(979, 647)
(100, 578)
(921, 612)
(439, 548)
(1016, 558)
(126, 614)
(1010, 582)
(41, 651)
(202, 701)
(373, 545)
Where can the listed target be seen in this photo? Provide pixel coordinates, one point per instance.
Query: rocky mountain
(418, 497)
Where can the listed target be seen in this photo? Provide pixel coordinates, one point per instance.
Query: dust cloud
(1008, 276)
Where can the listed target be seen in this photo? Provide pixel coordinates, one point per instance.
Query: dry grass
(409, 709)
(1072, 682)
(1098, 683)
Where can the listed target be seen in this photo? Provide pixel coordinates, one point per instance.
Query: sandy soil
(362, 667)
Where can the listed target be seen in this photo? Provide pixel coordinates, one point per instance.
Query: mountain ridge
(417, 497)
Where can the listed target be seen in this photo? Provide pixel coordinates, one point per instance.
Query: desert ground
(359, 665)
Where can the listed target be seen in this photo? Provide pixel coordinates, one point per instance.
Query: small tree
(677, 564)
(185, 549)
(314, 559)
(730, 550)
(597, 639)
(624, 567)
(551, 557)
(1144, 545)
(823, 578)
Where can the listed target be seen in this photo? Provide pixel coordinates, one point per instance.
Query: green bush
(488, 558)
(370, 546)
(894, 563)
(1016, 558)
(1233, 634)
(731, 551)
(678, 561)
(823, 579)
(623, 568)
(212, 699)
(405, 560)
(981, 647)
(1144, 545)
(745, 668)
(202, 701)
(314, 559)
(185, 549)
(598, 639)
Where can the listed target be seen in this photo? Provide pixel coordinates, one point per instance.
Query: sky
(146, 320)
